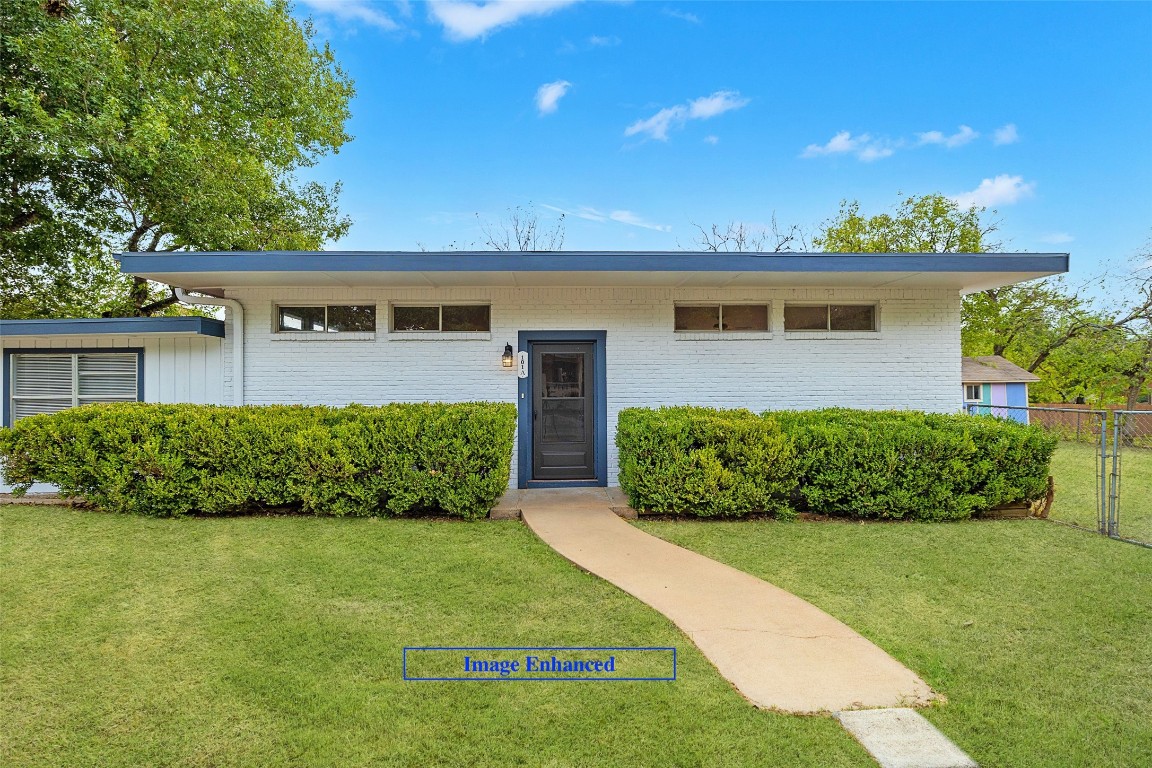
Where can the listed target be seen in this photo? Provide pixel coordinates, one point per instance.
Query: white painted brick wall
(913, 362)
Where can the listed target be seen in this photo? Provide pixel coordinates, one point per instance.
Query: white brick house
(600, 331)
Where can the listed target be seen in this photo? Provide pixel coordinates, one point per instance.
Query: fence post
(1105, 507)
(1114, 480)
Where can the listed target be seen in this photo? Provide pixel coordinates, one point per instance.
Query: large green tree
(156, 125)
(919, 224)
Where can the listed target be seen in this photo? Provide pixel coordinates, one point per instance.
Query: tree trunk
(1133, 396)
(156, 306)
(139, 292)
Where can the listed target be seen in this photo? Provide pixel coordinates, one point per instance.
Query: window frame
(439, 331)
(722, 332)
(9, 373)
(979, 393)
(827, 331)
(300, 332)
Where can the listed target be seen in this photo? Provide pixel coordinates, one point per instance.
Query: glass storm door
(563, 442)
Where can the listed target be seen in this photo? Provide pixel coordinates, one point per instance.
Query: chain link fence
(1130, 477)
(1102, 468)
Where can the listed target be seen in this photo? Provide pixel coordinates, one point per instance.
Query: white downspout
(237, 332)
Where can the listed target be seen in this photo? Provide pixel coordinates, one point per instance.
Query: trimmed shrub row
(860, 464)
(704, 462)
(170, 460)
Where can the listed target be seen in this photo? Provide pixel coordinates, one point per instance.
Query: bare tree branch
(520, 231)
(737, 237)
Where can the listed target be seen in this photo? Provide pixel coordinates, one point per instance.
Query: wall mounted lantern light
(507, 359)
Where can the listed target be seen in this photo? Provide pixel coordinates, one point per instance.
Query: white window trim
(833, 335)
(323, 335)
(440, 335)
(721, 335)
(279, 335)
(979, 398)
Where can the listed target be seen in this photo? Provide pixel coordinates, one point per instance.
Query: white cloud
(875, 152)
(958, 139)
(716, 104)
(713, 140)
(548, 96)
(1005, 135)
(838, 144)
(1002, 190)
(621, 217)
(360, 12)
(863, 146)
(691, 18)
(627, 217)
(657, 126)
(468, 20)
(603, 41)
(1056, 238)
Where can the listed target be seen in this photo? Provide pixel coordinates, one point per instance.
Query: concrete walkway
(778, 650)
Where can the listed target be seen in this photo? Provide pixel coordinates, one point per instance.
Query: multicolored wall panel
(1000, 393)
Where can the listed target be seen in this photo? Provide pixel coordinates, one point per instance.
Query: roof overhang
(962, 272)
(114, 326)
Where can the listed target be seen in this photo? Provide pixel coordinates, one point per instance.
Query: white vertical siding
(177, 369)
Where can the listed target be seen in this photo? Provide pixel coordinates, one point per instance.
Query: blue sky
(642, 118)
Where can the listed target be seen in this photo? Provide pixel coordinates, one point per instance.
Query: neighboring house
(574, 337)
(50, 365)
(992, 381)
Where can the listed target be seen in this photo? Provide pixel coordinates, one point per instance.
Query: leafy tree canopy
(145, 125)
(926, 224)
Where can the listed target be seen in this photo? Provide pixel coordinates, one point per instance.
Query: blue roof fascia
(200, 326)
(583, 261)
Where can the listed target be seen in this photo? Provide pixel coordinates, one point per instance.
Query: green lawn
(277, 641)
(1040, 635)
(1074, 466)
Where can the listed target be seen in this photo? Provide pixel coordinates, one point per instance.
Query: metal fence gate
(1129, 515)
(1102, 467)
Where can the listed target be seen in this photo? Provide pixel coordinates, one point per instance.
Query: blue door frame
(599, 407)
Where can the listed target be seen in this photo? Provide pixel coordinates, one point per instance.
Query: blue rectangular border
(537, 679)
(7, 420)
(599, 340)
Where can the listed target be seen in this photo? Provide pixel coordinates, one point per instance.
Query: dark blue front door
(563, 416)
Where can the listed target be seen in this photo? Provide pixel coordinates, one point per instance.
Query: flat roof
(965, 272)
(118, 326)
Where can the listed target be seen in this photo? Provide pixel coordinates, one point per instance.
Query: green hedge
(704, 462)
(168, 460)
(912, 465)
(860, 464)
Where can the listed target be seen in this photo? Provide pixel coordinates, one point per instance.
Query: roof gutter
(237, 335)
